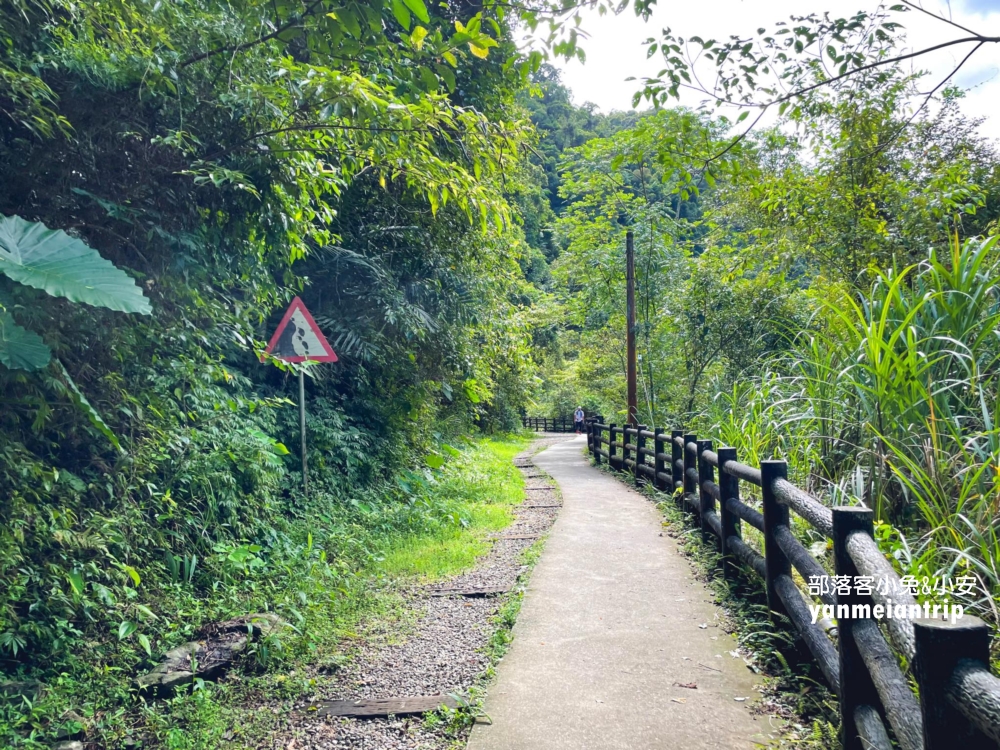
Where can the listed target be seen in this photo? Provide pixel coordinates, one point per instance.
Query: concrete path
(612, 624)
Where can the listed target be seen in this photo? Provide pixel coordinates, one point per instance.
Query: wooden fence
(547, 424)
(959, 698)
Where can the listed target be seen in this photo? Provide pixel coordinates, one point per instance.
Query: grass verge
(483, 490)
(329, 593)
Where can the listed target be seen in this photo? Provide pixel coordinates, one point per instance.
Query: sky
(615, 50)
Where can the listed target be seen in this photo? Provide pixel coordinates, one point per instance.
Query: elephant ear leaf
(20, 349)
(64, 266)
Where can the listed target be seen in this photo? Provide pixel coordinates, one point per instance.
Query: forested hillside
(824, 290)
(173, 174)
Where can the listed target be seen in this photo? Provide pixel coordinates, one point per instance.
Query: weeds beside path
(400, 640)
(451, 642)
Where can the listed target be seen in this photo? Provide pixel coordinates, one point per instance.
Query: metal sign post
(302, 430)
(298, 339)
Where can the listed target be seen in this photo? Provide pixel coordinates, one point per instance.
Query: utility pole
(633, 410)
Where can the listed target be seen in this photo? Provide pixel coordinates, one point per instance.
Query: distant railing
(548, 424)
(959, 697)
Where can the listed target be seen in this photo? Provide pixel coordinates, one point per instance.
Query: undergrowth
(487, 490)
(334, 565)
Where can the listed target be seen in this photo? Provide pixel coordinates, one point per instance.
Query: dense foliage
(822, 291)
(173, 173)
(228, 157)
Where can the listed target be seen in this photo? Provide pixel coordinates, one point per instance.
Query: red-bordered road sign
(298, 338)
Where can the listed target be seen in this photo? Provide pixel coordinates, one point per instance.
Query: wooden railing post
(729, 489)
(775, 514)
(856, 686)
(658, 466)
(689, 463)
(625, 446)
(597, 438)
(940, 646)
(676, 454)
(706, 473)
(640, 442)
(612, 445)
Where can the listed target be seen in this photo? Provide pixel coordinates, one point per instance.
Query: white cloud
(615, 50)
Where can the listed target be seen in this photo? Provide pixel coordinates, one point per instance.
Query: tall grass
(890, 398)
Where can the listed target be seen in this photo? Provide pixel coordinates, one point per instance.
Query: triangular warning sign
(298, 338)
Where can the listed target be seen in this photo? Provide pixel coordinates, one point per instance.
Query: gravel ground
(441, 652)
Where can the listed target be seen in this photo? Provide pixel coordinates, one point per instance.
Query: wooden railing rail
(549, 424)
(959, 703)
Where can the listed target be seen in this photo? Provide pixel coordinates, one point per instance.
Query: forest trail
(614, 634)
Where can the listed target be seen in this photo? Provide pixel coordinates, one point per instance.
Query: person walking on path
(578, 420)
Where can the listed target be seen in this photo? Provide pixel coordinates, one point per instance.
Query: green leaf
(125, 629)
(133, 574)
(76, 581)
(146, 612)
(402, 14)
(429, 79)
(419, 9)
(435, 460)
(449, 78)
(350, 22)
(144, 641)
(418, 36)
(81, 402)
(63, 266)
(21, 349)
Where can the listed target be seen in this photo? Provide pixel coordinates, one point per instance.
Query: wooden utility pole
(633, 409)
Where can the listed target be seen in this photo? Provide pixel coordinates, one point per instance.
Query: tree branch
(291, 23)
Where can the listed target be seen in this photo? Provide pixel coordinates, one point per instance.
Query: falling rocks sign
(298, 338)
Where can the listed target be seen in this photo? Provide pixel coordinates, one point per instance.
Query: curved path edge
(617, 645)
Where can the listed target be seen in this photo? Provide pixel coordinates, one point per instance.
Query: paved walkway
(613, 623)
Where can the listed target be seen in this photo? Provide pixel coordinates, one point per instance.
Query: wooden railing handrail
(959, 704)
